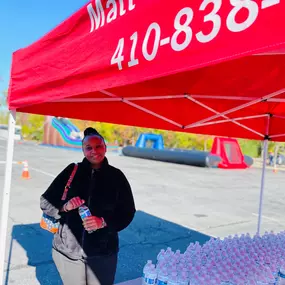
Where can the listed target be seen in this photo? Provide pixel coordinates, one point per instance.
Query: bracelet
(64, 207)
(103, 223)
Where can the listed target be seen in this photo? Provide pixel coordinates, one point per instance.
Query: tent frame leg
(265, 151)
(6, 192)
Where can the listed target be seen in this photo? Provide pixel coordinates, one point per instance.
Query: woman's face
(94, 149)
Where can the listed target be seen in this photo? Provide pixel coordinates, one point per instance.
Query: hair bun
(90, 131)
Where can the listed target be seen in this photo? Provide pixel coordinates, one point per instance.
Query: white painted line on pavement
(34, 169)
(268, 218)
(43, 172)
(4, 162)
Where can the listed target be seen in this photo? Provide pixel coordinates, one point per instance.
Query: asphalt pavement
(176, 205)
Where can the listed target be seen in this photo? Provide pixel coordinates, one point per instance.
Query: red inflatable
(230, 153)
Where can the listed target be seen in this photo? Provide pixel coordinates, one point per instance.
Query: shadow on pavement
(141, 241)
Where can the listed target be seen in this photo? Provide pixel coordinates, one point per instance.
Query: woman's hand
(73, 204)
(93, 223)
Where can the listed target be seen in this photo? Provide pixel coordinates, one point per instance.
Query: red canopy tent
(209, 67)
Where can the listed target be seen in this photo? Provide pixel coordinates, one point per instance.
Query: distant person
(81, 257)
(279, 159)
(271, 158)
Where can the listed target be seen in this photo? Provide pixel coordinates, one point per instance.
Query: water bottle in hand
(84, 212)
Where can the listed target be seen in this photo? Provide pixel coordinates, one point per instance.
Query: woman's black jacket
(106, 192)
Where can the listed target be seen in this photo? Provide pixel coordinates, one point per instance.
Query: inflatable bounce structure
(230, 153)
(156, 140)
(225, 153)
(61, 132)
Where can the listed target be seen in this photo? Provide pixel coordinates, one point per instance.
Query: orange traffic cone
(25, 173)
(275, 170)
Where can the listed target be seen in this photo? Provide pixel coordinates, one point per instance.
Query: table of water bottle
(235, 260)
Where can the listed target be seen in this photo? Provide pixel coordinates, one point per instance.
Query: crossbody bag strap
(66, 188)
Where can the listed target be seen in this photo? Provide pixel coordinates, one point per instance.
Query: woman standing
(85, 252)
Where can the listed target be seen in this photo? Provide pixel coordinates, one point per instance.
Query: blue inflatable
(158, 152)
(157, 141)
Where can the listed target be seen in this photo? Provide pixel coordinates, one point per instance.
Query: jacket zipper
(88, 205)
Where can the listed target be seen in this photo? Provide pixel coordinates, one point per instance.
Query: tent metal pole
(265, 150)
(6, 192)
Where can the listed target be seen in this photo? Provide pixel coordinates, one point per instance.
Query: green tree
(4, 116)
(33, 128)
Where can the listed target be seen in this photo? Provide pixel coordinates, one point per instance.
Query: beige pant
(99, 270)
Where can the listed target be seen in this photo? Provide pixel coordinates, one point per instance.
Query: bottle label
(281, 279)
(160, 282)
(149, 281)
(282, 275)
(84, 212)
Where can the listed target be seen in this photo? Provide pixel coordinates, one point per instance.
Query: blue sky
(24, 21)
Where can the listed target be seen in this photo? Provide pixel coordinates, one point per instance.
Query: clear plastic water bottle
(183, 278)
(162, 277)
(161, 266)
(161, 255)
(173, 279)
(246, 260)
(151, 276)
(282, 273)
(146, 269)
(84, 212)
